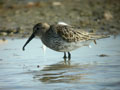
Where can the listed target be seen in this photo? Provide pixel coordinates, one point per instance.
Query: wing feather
(71, 34)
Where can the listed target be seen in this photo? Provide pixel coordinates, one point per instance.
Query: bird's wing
(70, 34)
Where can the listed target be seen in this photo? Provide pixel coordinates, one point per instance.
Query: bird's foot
(69, 56)
(65, 57)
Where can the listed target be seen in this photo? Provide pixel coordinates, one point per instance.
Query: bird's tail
(97, 36)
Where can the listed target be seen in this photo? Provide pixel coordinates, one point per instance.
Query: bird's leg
(95, 42)
(69, 56)
(64, 55)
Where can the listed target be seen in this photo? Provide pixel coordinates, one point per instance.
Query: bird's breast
(60, 45)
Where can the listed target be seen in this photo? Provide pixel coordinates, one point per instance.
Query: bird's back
(70, 34)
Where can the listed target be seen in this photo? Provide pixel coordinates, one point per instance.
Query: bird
(62, 38)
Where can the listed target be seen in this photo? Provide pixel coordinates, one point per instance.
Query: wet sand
(18, 17)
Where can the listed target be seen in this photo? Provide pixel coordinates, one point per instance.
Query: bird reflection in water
(61, 72)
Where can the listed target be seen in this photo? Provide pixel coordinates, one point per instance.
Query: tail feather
(95, 36)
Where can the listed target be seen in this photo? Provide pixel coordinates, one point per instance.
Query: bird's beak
(30, 38)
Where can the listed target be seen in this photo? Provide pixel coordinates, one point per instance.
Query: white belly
(66, 47)
(63, 46)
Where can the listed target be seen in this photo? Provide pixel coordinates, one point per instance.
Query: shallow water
(96, 68)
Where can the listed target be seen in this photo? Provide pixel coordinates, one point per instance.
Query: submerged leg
(64, 55)
(69, 55)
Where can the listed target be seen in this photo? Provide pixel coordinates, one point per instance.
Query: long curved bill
(30, 38)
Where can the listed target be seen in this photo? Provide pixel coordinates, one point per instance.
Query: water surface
(96, 68)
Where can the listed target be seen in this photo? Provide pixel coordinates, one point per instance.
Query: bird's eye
(37, 28)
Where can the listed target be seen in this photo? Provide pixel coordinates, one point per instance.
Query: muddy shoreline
(18, 17)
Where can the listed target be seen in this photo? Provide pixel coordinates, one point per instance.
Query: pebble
(38, 66)
(108, 15)
(57, 3)
(3, 33)
(103, 55)
(30, 4)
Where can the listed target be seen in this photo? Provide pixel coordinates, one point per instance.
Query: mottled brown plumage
(71, 34)
(62, 38)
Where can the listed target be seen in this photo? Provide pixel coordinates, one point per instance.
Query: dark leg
(64, 55)
(69, 56)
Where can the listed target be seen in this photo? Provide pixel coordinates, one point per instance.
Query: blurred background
(96, 67)
(17, 17)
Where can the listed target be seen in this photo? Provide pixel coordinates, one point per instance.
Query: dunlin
(62, 38)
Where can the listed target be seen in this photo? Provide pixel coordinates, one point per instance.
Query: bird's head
(38, 30)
